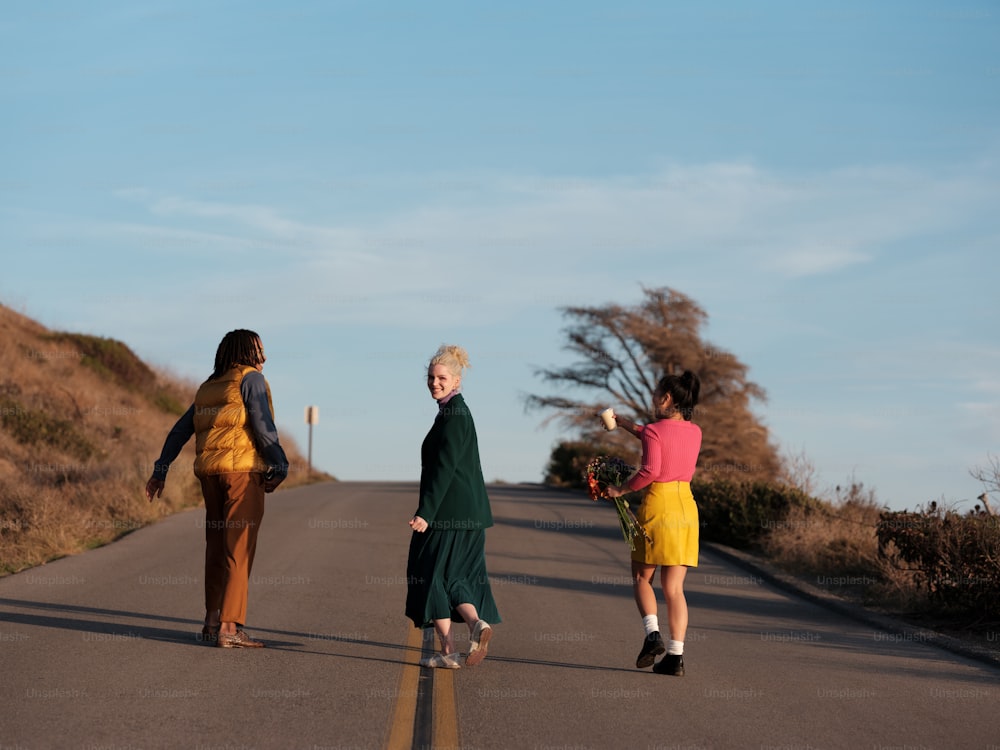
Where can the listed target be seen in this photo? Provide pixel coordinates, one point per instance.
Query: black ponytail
(683, 390)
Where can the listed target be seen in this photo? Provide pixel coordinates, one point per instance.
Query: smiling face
(441, 381)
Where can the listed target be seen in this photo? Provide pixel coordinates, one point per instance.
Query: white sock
(651, 623)
(675, 648)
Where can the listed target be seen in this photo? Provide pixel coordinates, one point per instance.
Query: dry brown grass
(81, 422)
(836, 548)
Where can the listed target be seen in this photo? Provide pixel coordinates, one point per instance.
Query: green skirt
(446, 568)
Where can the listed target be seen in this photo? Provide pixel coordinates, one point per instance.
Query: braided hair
(237, 348)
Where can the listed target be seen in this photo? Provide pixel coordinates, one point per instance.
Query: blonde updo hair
(455, 358)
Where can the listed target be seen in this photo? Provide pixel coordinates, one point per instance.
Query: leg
(443, 629)
(215, 550)
(244, 510)
(642, 587)
(672, 580)
(645, 599)
(469, 614)
(480, 633)
(448, 657)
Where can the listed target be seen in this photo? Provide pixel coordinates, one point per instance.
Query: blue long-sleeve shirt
(253, 389)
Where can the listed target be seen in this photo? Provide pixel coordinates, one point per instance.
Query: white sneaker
(481, 634)
(441, 661)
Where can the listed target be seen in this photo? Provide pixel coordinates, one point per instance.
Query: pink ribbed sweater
(669, 453)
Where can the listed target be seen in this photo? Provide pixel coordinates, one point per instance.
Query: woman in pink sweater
(668, 514)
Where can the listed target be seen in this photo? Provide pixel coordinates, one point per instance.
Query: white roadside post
(312, 417)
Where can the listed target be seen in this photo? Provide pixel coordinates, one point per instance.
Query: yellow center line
(401, 729)
(445, 714)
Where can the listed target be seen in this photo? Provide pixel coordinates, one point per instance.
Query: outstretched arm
(177, 438)
(629, 426)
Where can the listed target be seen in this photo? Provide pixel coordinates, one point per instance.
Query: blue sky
(360, 182)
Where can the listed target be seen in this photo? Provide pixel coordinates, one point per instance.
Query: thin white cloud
(262, 218)
(816, 260)
(535, 241)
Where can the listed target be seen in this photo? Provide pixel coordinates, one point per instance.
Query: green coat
(452, 490)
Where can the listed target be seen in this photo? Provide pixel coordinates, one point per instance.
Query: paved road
(98, 650)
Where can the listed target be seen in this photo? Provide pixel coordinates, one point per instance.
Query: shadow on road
(560, 664)
(561, 526)
(55, 615)
(73, 617)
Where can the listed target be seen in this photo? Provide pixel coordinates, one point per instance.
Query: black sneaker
(672, 664)
(651, 648)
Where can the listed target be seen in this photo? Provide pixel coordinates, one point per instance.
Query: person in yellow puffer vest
(238, 460)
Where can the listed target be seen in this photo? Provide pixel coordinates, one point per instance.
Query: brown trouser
(234, 507)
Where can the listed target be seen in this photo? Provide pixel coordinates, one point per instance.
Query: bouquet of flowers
(604, 471)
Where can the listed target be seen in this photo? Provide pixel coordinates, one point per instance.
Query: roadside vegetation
(82, 419)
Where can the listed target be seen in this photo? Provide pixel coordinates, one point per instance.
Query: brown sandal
(239, 639)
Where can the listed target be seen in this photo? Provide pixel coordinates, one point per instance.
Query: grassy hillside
(81, 421)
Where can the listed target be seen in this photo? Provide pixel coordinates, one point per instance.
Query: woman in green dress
(446, 568)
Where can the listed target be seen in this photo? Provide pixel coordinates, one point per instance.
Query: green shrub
(168, 403)
(955, 557)
(31, 427)
(569, 459)
(110, 358)
(742, 514)
(114, 361)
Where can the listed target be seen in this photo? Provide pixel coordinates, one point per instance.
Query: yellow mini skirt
(670, 518)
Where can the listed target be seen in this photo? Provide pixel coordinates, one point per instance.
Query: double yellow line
(425, 714)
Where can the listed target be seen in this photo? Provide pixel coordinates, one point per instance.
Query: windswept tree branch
(621, 353)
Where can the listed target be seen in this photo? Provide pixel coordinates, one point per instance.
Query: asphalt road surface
(99, 650)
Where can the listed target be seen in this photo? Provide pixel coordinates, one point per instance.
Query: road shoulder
(979, 649)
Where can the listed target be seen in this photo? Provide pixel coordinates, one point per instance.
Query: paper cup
(608, 417)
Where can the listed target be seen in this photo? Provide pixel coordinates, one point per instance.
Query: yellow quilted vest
(223, 439)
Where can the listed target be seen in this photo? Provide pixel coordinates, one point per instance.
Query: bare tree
(990, 477)
(624, 351)
(798, 470)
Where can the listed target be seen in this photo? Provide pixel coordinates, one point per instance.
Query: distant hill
(82, 419)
